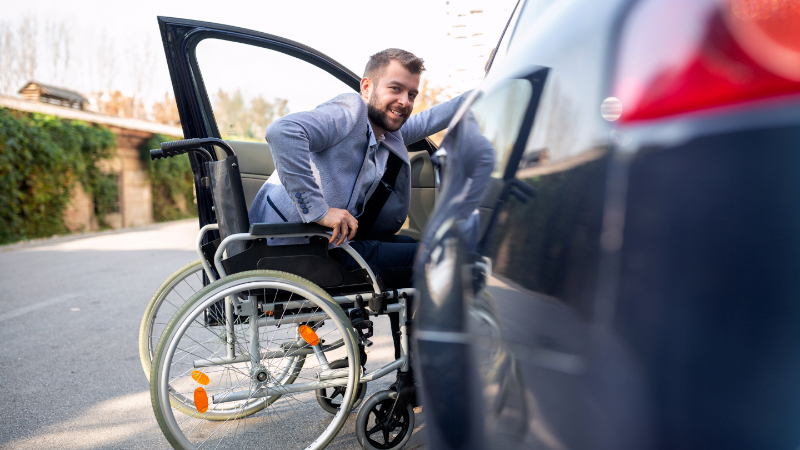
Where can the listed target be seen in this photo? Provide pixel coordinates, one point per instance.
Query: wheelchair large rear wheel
(164, 305)
(204, 399)
(166, 301)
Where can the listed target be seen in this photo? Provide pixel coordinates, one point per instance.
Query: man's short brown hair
(379, 61)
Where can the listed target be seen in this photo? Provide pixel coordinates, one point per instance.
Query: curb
(22, 245)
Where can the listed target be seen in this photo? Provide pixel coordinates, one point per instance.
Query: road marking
(30, 308)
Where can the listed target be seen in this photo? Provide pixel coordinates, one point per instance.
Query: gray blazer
(319, 159)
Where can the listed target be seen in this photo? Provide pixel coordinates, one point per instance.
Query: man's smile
(397, 112)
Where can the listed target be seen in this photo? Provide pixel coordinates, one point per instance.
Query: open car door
(230, 83)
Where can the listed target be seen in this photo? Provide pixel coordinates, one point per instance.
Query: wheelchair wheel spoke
(374, 430)
(249, 410)
(337, 392)
(167, 300)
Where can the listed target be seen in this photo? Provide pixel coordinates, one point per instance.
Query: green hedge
(172, 181)
(41, 159)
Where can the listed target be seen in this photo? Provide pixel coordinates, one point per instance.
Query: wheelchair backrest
(235, 181)
(229, 203)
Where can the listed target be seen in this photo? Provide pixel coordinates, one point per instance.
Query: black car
(613, 259)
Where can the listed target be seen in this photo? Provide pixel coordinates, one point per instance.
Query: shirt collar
(373, 141)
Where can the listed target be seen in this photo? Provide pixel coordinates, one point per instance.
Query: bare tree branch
(27, 48)
(8, 58)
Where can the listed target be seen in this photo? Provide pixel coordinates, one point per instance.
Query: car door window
(498, 117)
(525, 12)
(477, 151)
(249, 87)
(549, 244)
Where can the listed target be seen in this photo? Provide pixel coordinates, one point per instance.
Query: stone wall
(79, 215)
(136, 196)
(135, 193)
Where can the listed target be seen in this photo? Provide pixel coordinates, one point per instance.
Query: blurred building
(50, 94)
(474, 27)
(135, 203)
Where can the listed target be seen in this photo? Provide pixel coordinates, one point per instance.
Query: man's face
(391, 97)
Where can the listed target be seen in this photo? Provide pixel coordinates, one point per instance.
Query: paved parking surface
(70, 309)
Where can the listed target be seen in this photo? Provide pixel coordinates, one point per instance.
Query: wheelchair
(263, 346)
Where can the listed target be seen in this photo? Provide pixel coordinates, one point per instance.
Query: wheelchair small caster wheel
(331, 398)
(376, 430)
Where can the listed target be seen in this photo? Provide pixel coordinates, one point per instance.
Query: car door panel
(181, 38)
(423, 194)
(255, 159)
(488, 204)
(183, 44)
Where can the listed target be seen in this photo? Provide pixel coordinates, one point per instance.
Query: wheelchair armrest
(271, 229)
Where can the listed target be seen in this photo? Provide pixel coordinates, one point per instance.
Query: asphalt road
(70, 309)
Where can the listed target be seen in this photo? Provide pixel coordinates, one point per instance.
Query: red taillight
(678, 56)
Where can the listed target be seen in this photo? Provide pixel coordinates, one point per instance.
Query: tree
(106, 68)
(428, 97)
(141, 73)
(115, 103)
(8, 58)
(59, 48)
(23, 60)
(18, 53)
(166, 111)
(26, 45)
(239, 121)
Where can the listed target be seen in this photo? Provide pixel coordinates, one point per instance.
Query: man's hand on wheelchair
(343, 223)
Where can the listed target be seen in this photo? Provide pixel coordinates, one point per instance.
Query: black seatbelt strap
(375, 203)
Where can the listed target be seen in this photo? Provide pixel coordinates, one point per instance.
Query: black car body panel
(627, 285)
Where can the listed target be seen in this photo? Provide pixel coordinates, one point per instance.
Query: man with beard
(330, 162)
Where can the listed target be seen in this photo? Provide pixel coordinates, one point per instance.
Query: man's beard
(379, 116)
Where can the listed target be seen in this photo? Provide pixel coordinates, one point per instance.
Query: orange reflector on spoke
(200, 377)
(200, 400)
(309, 335)
(269, 313)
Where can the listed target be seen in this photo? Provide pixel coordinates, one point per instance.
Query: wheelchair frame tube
(263, 321)
(339, 380)
(250, 237)
(200, 236)
(278, 390)
(255, 352)
(295, 318)
(230, 338)
(265, 354)
(385, 370)
(404, 332)
(351, 298)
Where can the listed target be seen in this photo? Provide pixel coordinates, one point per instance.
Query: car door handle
(520, 190)
(438, 159)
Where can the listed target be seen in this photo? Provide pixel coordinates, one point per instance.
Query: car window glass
(249, 86)
(547, 245)
(502, 46)
(499, 115)
(526, 12)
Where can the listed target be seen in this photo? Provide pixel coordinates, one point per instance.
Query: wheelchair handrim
(147, 349)
(209, 298)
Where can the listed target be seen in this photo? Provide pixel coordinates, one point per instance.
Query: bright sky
(348, 30)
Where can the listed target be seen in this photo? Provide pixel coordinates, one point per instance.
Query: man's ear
(366, 87)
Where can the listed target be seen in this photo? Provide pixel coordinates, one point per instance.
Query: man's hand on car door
(343, 223)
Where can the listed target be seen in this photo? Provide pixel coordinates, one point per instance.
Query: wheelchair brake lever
(359, 319)
(361, 307)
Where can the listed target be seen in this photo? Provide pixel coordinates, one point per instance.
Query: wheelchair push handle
(174, 148)
(179, 147)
